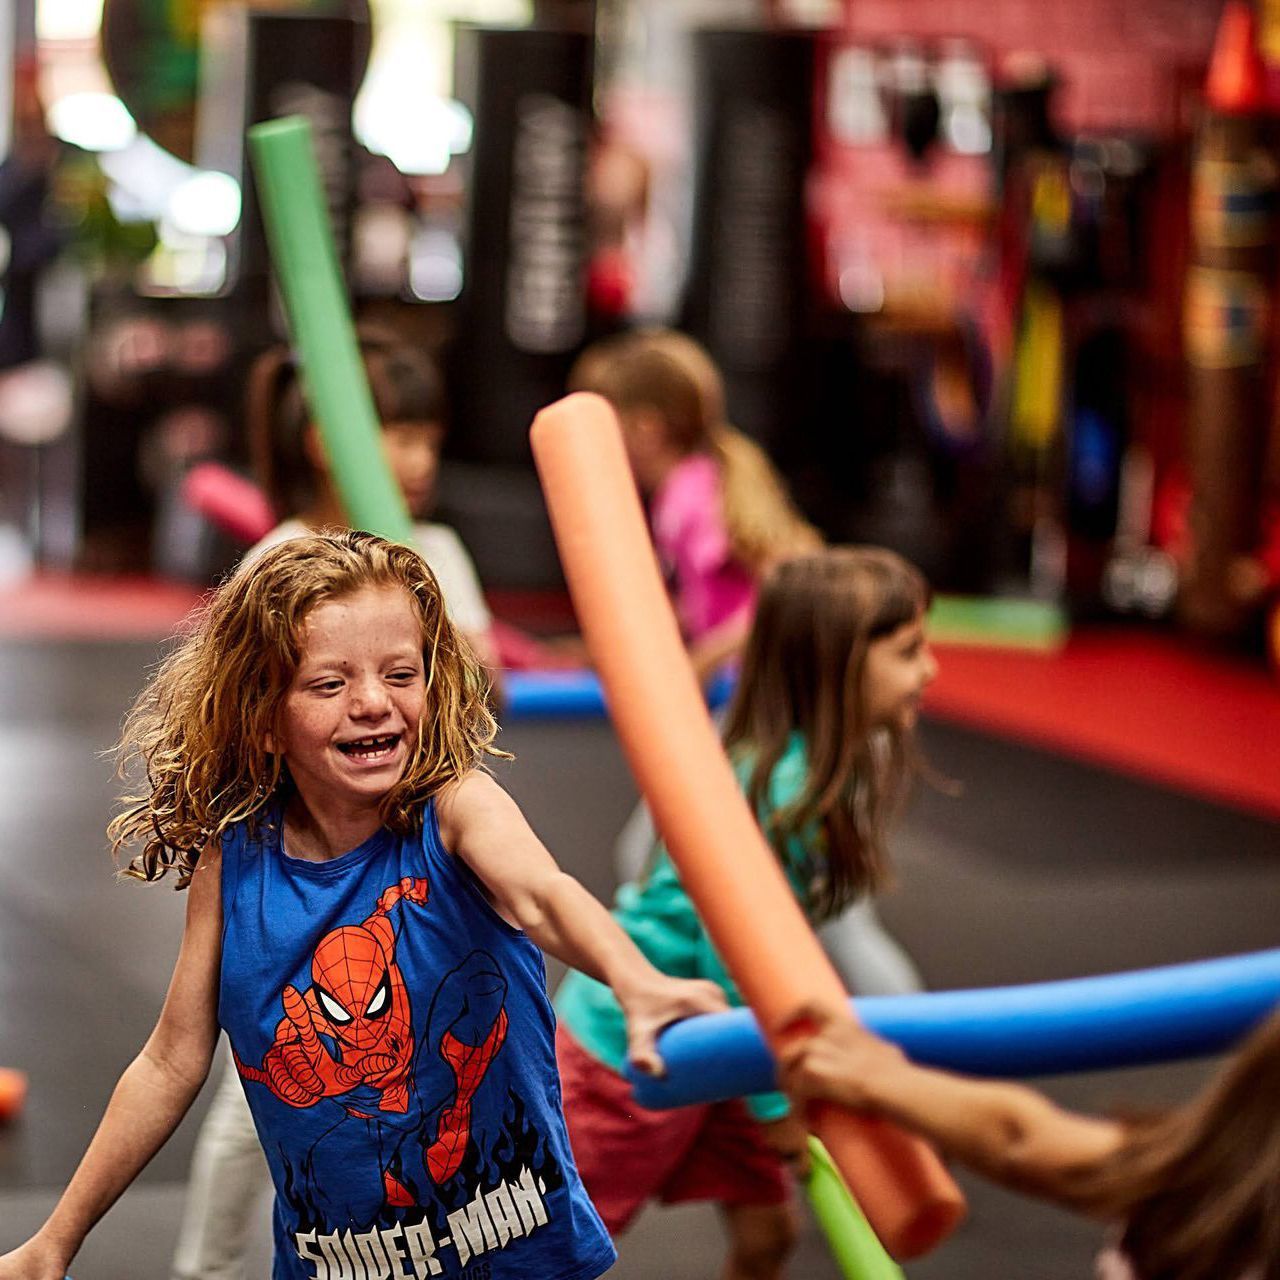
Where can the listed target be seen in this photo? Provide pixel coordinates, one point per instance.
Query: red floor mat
(74, 607)
(1138, 701)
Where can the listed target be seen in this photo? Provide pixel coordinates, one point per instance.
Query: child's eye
(404, 675)
(327, 686)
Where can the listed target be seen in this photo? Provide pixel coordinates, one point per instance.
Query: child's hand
(788, 1139)
(835, 1062)
(658, 1004)
(291, 1064)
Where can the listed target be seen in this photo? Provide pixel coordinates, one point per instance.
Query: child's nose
(369, 699)
(930, 666)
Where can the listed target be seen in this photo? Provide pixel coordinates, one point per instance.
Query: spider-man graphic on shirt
(350, 1037)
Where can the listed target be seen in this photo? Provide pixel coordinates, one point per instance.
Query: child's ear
(313, 449)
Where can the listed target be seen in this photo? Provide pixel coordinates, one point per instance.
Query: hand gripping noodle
(333, 376)
(730, 872)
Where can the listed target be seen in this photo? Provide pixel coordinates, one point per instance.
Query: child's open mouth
(370, 750)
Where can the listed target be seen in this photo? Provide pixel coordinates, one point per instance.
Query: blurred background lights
(68, 19)
(435, 265)
(92, 121)
(144, 177)
(206, 204)
(418, 135)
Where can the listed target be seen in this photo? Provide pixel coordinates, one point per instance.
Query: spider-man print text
(490, 1221)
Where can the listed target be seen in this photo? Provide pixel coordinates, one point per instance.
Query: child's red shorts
(628, 1155)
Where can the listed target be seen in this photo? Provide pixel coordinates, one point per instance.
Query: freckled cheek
(413, 712)
(312, 737)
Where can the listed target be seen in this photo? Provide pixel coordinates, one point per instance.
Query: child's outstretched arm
(1006, 1132)
(153, 1095)
(483, 826)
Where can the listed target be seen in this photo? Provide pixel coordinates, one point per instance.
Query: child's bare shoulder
(207, 876)
(472, 799)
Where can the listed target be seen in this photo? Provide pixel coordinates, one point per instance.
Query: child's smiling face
(899, 667)
(350, 717)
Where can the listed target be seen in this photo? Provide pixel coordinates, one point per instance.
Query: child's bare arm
(1006, 1132)
(713, 650)
(483, 826)
(153, 1094)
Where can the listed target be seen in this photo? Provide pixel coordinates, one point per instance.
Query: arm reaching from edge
(1007, 1132)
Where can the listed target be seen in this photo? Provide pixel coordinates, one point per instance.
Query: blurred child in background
(289, 462)
(1195, 1191)
(718, 511)
(721, 518)
(820, 732)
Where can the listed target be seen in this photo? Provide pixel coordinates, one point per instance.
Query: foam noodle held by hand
(333, 376)
(674, 752)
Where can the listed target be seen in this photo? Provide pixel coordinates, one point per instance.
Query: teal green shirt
(659, 916)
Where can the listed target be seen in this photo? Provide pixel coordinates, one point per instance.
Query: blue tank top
(396, 1045)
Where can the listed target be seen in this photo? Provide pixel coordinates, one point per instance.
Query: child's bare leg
(761, 1238)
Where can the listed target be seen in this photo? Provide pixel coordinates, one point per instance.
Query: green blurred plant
(104, 244)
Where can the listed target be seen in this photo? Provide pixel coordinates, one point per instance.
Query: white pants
(229, 1176)
(870, 962)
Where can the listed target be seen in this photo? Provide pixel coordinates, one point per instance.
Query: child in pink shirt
(719, 513)
(710, 585)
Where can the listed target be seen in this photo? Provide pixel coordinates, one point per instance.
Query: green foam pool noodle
(333, 375)
(854, 1246)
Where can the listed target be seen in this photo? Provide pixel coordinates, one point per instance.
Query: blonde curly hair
(196, 737)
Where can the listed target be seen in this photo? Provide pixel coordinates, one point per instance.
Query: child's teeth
(370, 748)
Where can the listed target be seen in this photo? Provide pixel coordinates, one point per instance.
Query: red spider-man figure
(359, 1000)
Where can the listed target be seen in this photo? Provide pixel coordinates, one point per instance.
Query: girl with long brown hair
(820, 732)
(365, 912)
(1195, 1192)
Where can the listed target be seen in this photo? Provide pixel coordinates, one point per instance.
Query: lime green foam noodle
(333, 375)
(854, 1246)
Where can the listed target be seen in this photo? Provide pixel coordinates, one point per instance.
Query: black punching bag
(522, 312)
(260, 66)
(748, 294)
